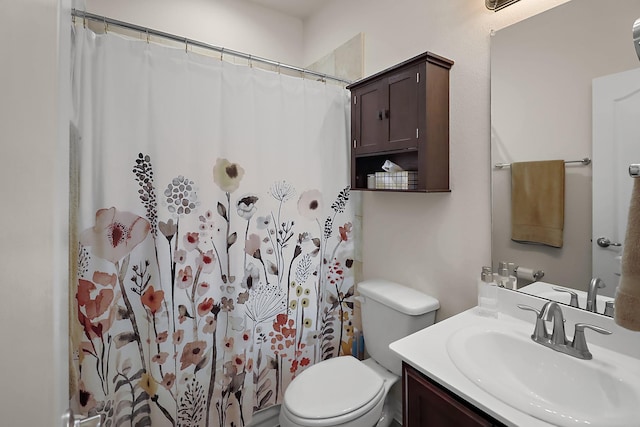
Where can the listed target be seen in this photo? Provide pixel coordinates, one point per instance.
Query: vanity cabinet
(427, 404)
(401, 114)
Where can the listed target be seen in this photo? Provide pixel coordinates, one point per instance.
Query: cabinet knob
(380, 115)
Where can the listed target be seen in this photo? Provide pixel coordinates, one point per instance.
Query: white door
(616, 144)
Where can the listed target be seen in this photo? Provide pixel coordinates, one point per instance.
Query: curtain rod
(187, 41)
(585, 161)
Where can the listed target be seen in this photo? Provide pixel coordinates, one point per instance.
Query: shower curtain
(214, 233)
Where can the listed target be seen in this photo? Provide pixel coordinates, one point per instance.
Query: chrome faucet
(554, 313)
(592, 294)
(557, 340)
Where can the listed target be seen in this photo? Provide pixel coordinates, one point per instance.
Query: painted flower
(252, 244)
(180, 256)
(228, 344)
(205, 307)
(160, 358)
(251, 276)
(238, 361)
(105, 279)
(227, 175)
(345, 231)
(282, 191)
(249, 365)
(312, 338)
(206, 261)
(246, 335)
(203, 287)
(310, 204)
(85, 398)
(192, 353)
(263, 222)
(152, 299)
(226, 304)
(148, 384)
(209, 325)
(243, 297)
(185, 277)
(178, 336)
(115, 234)
(168, 380)
(96, 329)
(181, 196)
(162, 337)
(168, 229)
(93, 307)
(191, 241)
(246, 206)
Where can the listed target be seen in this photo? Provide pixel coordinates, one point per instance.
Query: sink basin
(551, 386)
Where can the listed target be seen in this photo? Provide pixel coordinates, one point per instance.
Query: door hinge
(417, 133)
(417, 77)
(355, 100)
(354, 143)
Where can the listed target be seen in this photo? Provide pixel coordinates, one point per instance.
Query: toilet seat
(334, 392)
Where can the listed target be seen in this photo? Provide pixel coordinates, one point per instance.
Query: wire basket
(405, 180)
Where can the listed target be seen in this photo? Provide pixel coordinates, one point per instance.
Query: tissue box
(405, 180)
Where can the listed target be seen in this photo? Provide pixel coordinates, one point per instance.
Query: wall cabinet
(426, 403)
(402, 114)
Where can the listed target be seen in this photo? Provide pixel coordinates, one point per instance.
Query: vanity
(473, 370)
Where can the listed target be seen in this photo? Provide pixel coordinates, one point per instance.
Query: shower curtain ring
(147, 35)
(186, 45)
(104, 20)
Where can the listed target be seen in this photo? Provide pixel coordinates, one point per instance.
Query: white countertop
(426, 351)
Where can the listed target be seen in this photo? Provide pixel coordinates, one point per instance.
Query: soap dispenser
(487, 294)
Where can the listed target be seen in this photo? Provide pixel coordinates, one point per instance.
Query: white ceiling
(298, 8)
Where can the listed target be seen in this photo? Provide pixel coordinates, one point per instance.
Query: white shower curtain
(215, 245)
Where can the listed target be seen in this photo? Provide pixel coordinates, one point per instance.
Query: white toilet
(346, 392)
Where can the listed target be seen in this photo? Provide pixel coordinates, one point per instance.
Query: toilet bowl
(342, 391)
(346, 392)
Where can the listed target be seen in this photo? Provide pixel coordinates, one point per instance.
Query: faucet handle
(574, 296)
(540, 331)
(580, 343)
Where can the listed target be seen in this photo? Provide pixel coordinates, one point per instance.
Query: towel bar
(585, 161)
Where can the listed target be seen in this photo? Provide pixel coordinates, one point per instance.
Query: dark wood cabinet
(427, 404)
(402, 114)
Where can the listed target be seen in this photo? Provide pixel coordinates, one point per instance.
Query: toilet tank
(391, 311)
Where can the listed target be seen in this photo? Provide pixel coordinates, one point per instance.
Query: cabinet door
(426, 404)
(368, 117)
(401, 117)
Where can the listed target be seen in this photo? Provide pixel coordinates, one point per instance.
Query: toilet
(346, 392)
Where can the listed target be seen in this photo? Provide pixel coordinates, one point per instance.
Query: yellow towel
(627, 301)
(537, 202)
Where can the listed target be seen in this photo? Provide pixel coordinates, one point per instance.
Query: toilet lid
(332, 388)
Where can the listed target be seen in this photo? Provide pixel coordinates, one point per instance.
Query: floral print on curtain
(197, 315)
